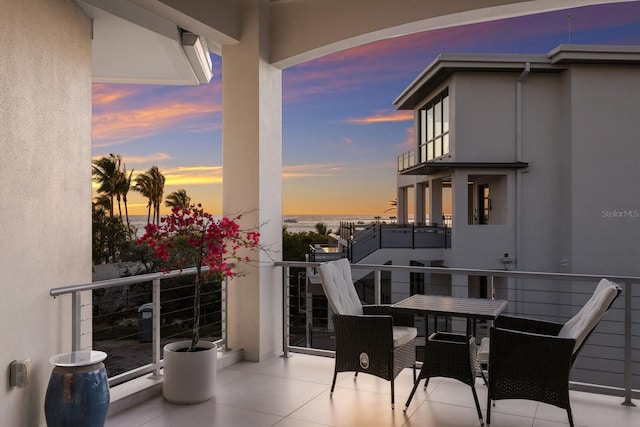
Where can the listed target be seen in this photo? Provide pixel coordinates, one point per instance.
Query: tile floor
(294, 392)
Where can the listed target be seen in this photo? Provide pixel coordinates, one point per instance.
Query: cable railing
(608, 364)
(133, 317)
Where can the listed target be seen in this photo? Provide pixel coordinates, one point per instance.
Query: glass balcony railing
(406, 160)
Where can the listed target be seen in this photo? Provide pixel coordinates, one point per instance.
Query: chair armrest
(524, 324)
(400, 317)
(364, 331)
(524, 365)
(376, 310)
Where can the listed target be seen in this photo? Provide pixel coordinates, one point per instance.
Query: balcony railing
(406, 160)
(132, 317)
(609, 363)
(365, 240)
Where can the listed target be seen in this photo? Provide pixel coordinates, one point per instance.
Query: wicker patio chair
(450, 355)
(532, 359)
(369, 339)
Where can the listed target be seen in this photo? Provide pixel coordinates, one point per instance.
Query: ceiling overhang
(132, 45)
(431, 168)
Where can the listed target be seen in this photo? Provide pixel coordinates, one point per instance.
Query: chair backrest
(338, 287)
(581, 325)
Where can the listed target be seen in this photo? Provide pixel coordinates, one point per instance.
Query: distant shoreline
(297, 223)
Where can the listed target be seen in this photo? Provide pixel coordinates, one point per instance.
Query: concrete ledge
(131, 393)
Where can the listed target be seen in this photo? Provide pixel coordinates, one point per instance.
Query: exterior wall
(46, 192)
(484, 117)
(605, 108)
(480, 246)
(542, 191)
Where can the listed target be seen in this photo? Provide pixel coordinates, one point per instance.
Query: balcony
(361, 241)
(294, 389)
(406, 160)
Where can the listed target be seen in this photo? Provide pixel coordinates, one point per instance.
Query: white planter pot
(189, 377)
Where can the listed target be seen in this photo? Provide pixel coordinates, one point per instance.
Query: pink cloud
(383, 117)
(123, 113)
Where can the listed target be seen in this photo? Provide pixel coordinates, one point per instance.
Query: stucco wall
(45, 222)
(485, 116)
(543, 184)
(606, 209)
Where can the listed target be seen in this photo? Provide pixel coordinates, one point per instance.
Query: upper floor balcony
(406, 160)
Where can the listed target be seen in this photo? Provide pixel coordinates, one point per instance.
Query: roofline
(555, 61)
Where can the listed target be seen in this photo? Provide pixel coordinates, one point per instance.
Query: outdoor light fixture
(198, 55)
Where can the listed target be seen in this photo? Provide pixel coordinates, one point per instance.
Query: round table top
(78, 358)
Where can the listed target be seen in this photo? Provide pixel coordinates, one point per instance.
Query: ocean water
(294, 223)
(298, 223)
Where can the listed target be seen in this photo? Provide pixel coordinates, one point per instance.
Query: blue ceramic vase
(78, 391)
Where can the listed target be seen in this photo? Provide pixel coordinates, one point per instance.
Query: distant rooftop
(555, 61)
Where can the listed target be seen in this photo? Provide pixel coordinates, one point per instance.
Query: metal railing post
(76, 321)
(285, 312)
(492, 290)
(377, 288)
(223, 319)
(155, 350)
(627, 343)
(413, 236)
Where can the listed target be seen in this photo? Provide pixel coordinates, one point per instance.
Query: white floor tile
(211, 414)
(294, 392)
(268, 394)
(351, 408)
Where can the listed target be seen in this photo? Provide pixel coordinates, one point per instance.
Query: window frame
(434, 128)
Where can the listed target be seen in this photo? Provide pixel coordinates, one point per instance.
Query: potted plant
(187, 237)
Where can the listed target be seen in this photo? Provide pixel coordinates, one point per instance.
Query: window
(484, 201)
(434, 128)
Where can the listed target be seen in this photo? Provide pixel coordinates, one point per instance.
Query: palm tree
(321, 228)
(393, 205)
(102, 202)
(124, 190)
(106, 172)
(151, 185)
(179, 199)
(145, 187)
(158, 191)
(120, 181)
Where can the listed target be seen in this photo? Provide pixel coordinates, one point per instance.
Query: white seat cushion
(579, 326)
(403, 334)
(483, 351)
(337, 284)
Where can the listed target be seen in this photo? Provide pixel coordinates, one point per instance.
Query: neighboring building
(538, 155)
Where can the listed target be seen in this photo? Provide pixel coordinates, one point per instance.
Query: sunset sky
(341, 133)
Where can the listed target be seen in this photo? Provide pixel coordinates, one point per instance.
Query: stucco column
(401, 206)
(435, 201)
(419, 207)
(252, 181)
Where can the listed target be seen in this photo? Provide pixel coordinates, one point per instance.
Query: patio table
(471, 309)
(447, 354)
